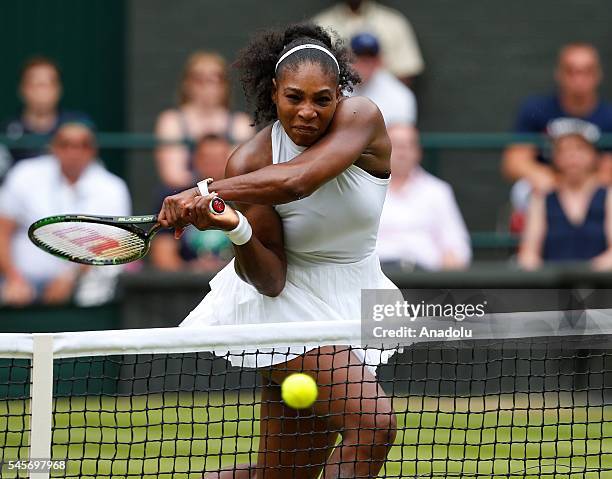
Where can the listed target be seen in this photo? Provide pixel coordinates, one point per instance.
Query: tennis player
(323, 163)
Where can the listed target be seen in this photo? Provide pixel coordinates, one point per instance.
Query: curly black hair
(257, 62)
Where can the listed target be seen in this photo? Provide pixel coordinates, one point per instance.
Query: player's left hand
(199, 215)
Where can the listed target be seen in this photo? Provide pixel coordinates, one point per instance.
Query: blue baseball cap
(365, 44)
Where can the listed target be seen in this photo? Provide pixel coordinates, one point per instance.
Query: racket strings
(91, 242)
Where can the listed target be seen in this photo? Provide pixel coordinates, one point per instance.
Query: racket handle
(216, 206)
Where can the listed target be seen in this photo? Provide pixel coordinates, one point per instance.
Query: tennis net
(167, 403)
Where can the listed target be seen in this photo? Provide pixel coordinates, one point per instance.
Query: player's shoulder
(253, 154)
(357, 108)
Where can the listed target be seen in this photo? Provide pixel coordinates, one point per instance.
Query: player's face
(578, 72)
(306, 100)
(574, 158)
(75, 149)
(40, 88)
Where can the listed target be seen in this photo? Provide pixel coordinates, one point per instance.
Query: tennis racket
(100, 240)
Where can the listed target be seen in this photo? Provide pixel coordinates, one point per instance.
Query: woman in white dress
(308, 191)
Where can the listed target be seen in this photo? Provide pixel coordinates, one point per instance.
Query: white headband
(302, 47)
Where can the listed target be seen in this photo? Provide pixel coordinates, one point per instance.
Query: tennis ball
(299, 391)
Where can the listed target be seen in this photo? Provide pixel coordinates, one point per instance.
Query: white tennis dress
(330, 238)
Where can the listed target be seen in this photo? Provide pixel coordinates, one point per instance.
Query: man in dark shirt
(578, 76)
(40, 89)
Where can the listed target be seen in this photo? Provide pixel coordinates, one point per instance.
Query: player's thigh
(293, 444)
(349, 395)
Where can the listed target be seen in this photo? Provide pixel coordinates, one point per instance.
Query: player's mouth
(306, 130)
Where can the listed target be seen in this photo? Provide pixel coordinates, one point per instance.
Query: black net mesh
(533, 408)
(14, 410)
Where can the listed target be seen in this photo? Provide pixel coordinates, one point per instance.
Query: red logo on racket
(93, 241)
(217, 206)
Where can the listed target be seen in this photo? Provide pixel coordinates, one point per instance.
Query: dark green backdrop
(86, 38)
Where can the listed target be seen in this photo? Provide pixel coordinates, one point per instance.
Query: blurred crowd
(561, 206)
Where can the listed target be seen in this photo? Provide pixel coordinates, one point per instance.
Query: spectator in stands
(578, 76)
(395, 100)
(204, 98)
(400, 49)
(421, 224)
(574, 221)
(204, 251)
(40, 89)
(69, 180)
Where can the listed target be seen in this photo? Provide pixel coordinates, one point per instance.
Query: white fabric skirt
(321, 292)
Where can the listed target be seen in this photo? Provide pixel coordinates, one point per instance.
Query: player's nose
(307, 113)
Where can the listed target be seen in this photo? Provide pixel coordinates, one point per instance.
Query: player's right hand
(198, 214)
(173, 210)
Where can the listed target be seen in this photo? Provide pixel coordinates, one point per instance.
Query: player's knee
(381, 420)
(386, 427)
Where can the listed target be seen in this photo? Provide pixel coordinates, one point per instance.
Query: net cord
(274, 335)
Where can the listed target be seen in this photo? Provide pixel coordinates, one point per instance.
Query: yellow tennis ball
(299, 391)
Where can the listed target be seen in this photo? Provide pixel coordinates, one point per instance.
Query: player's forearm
(260, 267)
(272, 185)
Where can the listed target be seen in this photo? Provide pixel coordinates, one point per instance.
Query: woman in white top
(324, 165)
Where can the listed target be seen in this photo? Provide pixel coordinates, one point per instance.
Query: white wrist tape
(241, 233)
(203, 186)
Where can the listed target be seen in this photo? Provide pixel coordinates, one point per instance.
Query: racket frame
(127, 223)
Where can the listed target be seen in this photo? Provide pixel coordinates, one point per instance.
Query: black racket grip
(216, 206)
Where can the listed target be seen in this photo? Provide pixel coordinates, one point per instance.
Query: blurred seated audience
(70, 180)
(578, 76)
(204, 99)
(574, 221)
(420, 225)
(203, 251)
(400, 49)
(395, 100)
(40, 90)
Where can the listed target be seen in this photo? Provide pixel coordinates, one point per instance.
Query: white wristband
(241, 233)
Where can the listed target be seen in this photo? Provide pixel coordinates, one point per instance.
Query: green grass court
(521, 436)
